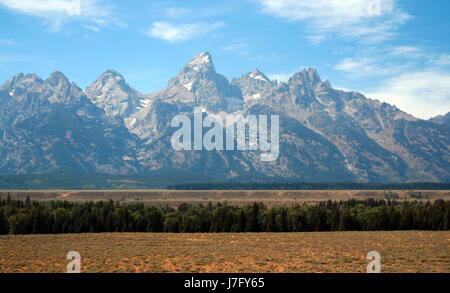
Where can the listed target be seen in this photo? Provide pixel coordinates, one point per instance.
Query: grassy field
(233, 197)
(406, 251)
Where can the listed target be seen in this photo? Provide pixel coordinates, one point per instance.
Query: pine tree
(344, 221)
(4, 225)
(253, 221)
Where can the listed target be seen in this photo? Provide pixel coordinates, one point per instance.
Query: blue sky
(396, 51)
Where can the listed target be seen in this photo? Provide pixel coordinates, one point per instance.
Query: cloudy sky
(396, 51)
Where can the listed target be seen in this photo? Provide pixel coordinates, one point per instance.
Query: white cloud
(182, 32)
(39, 8)
(406, 52)
(92, 27)
(410, 78)
(58, 12)
(366, 20)
(364, 67)
(441, 60)
(423, 94)
(355, 64)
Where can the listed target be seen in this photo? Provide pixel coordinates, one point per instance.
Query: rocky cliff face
(51, 126)
(254, 85)
(111, 93)
(441, 119)
(325, 134)
(198, 84)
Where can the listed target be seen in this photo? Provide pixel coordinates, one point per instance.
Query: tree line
(32, 217)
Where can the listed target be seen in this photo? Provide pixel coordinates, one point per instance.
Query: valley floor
(401, 252)
(233, 197)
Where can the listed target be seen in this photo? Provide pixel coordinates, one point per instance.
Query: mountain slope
(365, 131)
(198, 84)
(441, 119)
(51, 126)
(111, 93)
(325, 134)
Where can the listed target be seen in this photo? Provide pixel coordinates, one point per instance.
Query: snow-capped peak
(112, 93)
(256, 74)
(200, 59)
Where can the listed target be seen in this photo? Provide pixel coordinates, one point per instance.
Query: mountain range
(326, 134)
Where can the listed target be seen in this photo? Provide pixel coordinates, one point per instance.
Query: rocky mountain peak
(198, 83)
(16, 79)
(201, 64)
(253, 84)
(58, 79)
(19, 85)
(22, 80)
(325, 133)
(108, 81)
(198, 68)
(114, 95)
(203, 59)
(306, 76)
(441, 119)
(111, 76)
(112, 72)
(58, 89)
(257, 75)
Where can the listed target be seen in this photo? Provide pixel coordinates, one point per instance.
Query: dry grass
(234, 197)
(408, 251)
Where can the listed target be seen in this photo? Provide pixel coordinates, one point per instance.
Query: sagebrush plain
(332, 252)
